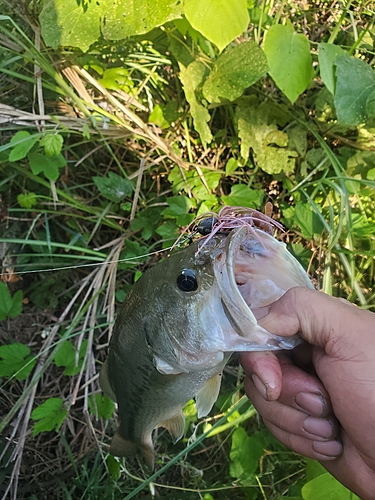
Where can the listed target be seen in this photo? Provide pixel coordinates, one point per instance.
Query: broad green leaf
(242, 195)
(190, 78)
(234, 71)
(113, 187)
(15, 359)
(134, 17)
(147, 221)
(27, 200)
(326, 487)
(52, 144)
(231, 166)
(355, 84)
(49, 165)
(101, 406)
(168, 231)
(244, 454)
(308, 221)
(221, 21)
(313, 469)
(289, 60)
(114, 467)
(72, 23)
(25, 143)
(268, 143)
(177, 205)
(133, 254)
(49, 415)
(157, 117)
(117, 79)
(67, 356)
(327, 55)
(9, 306)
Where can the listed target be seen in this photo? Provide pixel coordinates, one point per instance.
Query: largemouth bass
(180, 324)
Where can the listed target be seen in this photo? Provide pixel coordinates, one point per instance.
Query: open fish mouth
(252, 270)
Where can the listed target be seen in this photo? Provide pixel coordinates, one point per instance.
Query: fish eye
(187, 281)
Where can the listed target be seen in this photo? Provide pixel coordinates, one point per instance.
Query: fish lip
(235, 307)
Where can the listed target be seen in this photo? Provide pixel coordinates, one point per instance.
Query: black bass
(182, 321)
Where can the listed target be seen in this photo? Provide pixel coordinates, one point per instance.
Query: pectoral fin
(207, 395)
(175, 426)
(121, 447)
(105, 383)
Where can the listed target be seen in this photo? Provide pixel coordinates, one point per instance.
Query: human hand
(319, 399)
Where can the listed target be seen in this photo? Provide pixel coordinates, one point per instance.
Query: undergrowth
(111, 144)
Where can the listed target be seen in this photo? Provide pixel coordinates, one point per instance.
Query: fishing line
(78, 266)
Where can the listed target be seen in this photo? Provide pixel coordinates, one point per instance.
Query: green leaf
(50, 415)
(9, 306)
(113, 187)
(117, 79)
(72, 23)
(326, 487)
(114, 467)
(354, 86)
(327, 55)
(267, 142)
(133, 249)
(27, 200)
(308, 221)
(23, 142)
(49, 165)
(177, 205)
(221, 21)
(101, 406)
(244, 454)
(124, 18)
(157, 117)
(231, 166)
(168, 231)
(190, 78)
(242, 195)
(67, 356)
(289, 59)
(52, 144)
(16, 360)
(234, 71)
(147, 221)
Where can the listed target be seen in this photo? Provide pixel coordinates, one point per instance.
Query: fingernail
(328, 448)
(310, 403)
(259, 385)
(318, 427)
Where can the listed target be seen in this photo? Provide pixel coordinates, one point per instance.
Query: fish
(182, 321)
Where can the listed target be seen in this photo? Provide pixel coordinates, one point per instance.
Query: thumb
(318, 317)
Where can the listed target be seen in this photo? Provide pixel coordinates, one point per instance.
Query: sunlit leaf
(123, 18)
(234, 71)
(218, 20)
(242, 195)
(355, 85)
(27, 200)
(190, 78)
(327, 55)
(289, 59)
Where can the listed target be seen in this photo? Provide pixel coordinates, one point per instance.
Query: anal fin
(175, 426)
(207, 395)
(121, 447)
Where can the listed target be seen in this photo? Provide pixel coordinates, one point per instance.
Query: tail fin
(121, 447)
